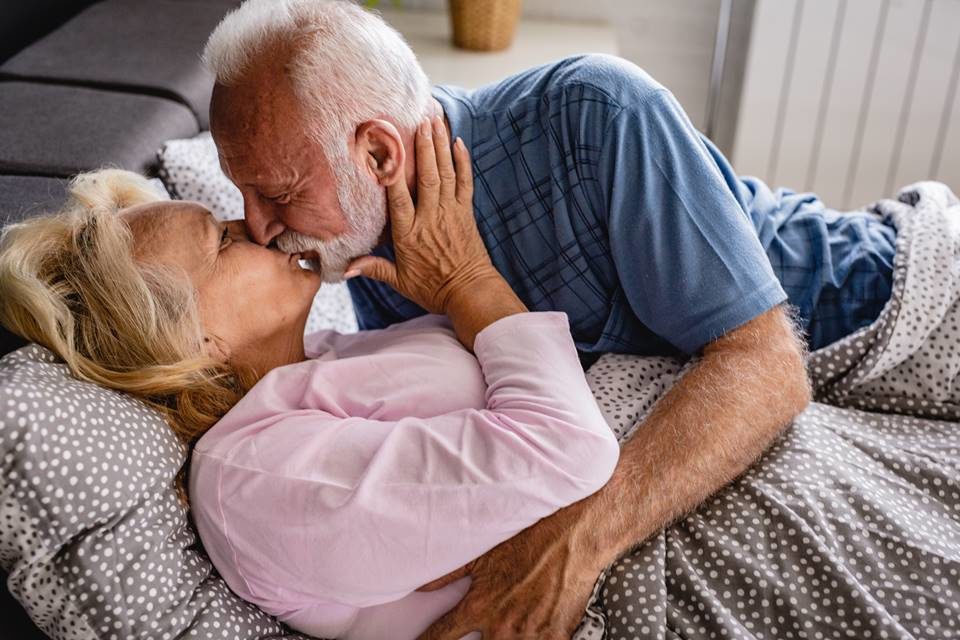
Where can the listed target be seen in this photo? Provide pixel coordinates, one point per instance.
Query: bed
(849, 526)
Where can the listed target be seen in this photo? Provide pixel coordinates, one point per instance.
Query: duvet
(849, 526)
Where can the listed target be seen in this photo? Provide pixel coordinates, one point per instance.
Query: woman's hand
(437, 246)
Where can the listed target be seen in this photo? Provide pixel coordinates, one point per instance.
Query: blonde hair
(69, 282)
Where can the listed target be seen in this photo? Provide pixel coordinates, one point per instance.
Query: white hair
(346, 65)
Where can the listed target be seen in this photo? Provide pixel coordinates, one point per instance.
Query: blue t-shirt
(836, 267)
(596, 196)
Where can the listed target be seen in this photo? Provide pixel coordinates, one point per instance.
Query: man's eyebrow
(268, 185)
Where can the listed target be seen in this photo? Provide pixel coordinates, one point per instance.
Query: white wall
(536, 42)
(674, 41)
(560, 9)
(851, 99)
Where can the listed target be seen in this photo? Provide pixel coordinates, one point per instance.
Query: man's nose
(262, 224)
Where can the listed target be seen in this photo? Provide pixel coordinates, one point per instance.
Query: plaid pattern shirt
(596, 196)
(836, 267)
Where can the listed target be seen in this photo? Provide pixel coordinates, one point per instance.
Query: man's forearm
(701, 435)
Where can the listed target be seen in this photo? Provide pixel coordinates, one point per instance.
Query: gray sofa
(87, 84)
(105, 87)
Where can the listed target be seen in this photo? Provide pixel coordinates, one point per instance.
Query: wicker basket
(484, 25)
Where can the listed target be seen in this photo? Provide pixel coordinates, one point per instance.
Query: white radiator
(851, 99)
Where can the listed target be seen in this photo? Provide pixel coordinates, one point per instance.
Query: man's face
(293, 195)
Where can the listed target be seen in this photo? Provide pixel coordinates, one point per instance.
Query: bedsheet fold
(849, 525)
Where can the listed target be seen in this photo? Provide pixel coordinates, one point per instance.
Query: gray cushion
(22, 197)
(58, 131)
(23, 22)
(142, 46)
(92, 535)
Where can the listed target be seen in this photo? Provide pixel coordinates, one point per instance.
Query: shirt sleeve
(323, 513)
(685, 251)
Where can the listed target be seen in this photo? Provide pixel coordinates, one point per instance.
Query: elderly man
(594, 196)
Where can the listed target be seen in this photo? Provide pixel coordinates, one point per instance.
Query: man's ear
(380, 151)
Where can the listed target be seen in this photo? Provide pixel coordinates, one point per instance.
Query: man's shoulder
(605, 79)
(619, 79)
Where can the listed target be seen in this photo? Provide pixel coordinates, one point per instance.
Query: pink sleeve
(318, 508)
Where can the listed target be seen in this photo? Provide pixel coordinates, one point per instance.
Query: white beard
(364, 205)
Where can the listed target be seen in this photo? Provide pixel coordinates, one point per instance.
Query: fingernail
(459, 143)
(425, 128)
(351, 274)
(438, 121)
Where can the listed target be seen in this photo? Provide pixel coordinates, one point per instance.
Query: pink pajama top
(339, 485)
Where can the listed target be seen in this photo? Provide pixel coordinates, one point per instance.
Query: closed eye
(283, 198)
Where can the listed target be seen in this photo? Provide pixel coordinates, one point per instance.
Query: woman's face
(253, 301)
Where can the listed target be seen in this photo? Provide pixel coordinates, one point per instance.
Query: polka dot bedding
(92, 535)
(190, 170)
(849, 526)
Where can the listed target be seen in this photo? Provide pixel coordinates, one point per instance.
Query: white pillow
(190, 170)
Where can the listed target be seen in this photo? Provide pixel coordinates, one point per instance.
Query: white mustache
(364, 204)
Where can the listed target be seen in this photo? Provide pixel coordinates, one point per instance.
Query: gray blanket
(849, 526)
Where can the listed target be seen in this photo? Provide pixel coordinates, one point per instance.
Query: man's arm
(702, 434)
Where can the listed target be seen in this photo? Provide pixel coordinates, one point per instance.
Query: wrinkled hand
(436, 243)
(534, 586)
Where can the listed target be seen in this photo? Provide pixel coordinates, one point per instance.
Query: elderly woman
(335, 475)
